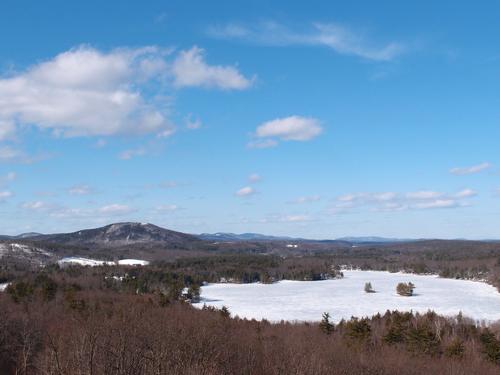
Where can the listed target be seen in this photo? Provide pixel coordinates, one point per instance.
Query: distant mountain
(374, 239)
(233, 237)
(230, 237)
(20, 236)
(121, 234)
(28, 235)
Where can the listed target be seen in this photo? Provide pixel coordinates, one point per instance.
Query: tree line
(75, 321)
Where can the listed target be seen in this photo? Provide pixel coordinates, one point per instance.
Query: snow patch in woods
(3, 286)
(343, 298)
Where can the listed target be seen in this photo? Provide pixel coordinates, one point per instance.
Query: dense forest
(111, 320)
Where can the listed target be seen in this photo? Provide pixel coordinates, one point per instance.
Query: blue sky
(303, 119)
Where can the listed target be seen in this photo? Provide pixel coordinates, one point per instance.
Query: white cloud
(35, 206)
(254, 177)
(87, 92)
(309, 199)
(9, 177)
(167, 208)
(295, 218)
(348, 197)
(460, 171)
(292, 128)
(189, 69)
(80, 190)
(246, 191)
(61, 211)
(84, 91)
(382, 197)
(70, 213)
(168, 184)
(115, 209)
(339, 38)
(5, 195)
(132, 153)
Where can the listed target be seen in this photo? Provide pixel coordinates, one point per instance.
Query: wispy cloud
(254, 177)
(393, 202)
(341, 39)
(466, 193)
(60, 211)
(10, 154)
(132, 153)
(307, 199)
(287, 218)
(100, 143)
(163, 208)
(9, 177)
(192, 123)
(4, 195)
(116, 209)
(439, 203)
(295, 218)
(80, 190)
(36, 206)
(461, 171)
(246, 191)
(262, 143)
(189, 69)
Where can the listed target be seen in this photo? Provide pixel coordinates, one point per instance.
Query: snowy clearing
(84, 261)
(94, 262)
(343, 298)
(133, 262)
(3, 286)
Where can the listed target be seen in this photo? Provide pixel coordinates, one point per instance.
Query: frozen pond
(343, 298)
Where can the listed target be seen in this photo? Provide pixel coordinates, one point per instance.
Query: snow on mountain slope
(95, 262)
(25, 252)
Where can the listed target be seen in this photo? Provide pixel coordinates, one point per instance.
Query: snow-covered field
(94, 262)
(343, 298)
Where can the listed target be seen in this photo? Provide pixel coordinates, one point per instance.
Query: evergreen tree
(405, 289)
(325, 324)
(194, 293)
(369, 288)
(224, 311)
